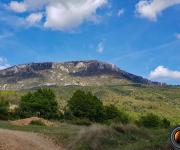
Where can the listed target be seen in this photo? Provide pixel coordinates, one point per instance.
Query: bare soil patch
(18, 140)
(27, 121)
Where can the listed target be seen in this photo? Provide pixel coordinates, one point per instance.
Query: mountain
(80, 73)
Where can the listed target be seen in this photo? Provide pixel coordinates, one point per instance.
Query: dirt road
(18, 140)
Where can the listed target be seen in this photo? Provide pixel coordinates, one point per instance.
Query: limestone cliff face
(26, 70)
(82, 73)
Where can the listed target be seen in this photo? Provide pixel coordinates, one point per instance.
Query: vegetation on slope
(134, 99)
(41, 103)
(148, 131)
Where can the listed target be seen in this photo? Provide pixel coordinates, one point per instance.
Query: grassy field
(136, 100)
(100, 137)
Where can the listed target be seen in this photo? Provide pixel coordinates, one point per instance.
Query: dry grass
(19, 140)
(124, 128)
(27, 121)
(93, 137)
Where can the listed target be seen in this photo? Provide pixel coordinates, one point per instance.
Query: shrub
(122, 117)
(68, 115)
(41, 103)
(4, 109)
(166, 123)
(37, 122)
(86, 105)
(111, 112)
(79, 121)
(150, 120)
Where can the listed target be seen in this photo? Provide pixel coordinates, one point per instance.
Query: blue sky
(139, 36)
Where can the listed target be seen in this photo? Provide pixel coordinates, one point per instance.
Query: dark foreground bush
(86, 105)
(4, 109)
(166, 123)
(122, 118)
(68, 115)
(152, 120)
(79, 121)
(112, 114)
(41, 103)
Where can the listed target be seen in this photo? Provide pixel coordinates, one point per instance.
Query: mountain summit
(80, 73)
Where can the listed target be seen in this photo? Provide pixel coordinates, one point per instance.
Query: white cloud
(162, 72)
(150, 9)
(34, 18)
(71, 14)
(100, 47)
(18, 7)
(3, 63)
(120, 12)
(60, 14)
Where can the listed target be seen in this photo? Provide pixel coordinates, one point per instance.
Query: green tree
(4, 109)
(41, 103)
(112, 113)
(86, 105)
(150, 120)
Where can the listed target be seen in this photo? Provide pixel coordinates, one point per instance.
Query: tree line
(82, 108)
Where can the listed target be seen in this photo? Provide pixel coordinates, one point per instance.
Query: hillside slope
(80, 73)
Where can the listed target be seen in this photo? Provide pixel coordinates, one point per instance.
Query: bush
(111, 112)
(37, 122)
(78, 121)
(41, 103)
(114, 115)
(166, 123)
(86, 105)
(150, 120)
(4, 109)
(68, 115)
(122, 117)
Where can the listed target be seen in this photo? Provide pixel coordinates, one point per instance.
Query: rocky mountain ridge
(82, 73)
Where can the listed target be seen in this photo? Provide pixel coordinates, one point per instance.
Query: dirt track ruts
(19, 140)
